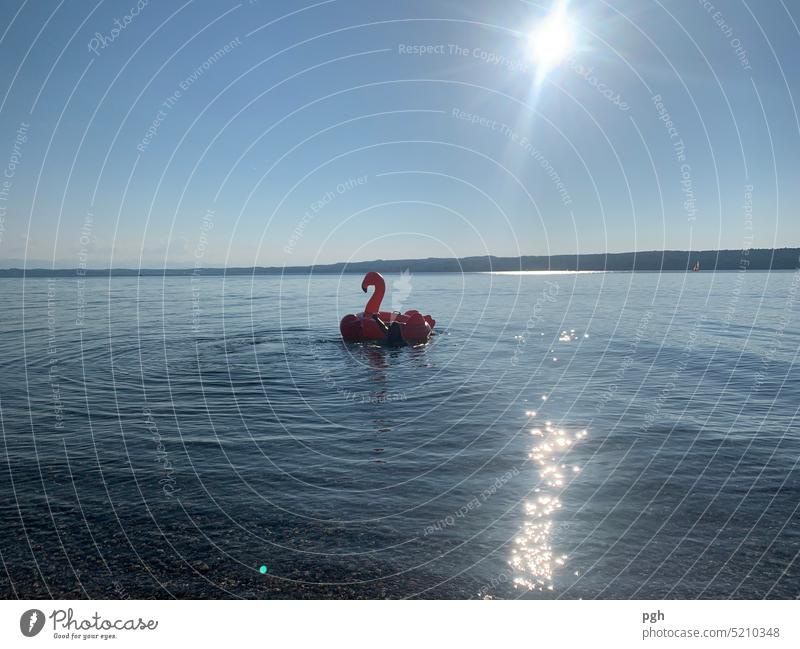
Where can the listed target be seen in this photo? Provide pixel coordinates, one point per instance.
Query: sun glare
(552, 40)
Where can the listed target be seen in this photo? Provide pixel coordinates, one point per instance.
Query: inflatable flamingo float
(415, 327)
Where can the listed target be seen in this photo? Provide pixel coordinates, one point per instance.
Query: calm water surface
(563, 436)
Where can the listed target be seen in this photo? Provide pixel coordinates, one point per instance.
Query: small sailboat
(696, 266)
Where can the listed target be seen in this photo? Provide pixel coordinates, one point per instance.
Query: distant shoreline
(652, 260)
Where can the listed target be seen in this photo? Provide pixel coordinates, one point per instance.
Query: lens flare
(552, 40)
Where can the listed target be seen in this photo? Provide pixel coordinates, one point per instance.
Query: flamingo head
(372, 279)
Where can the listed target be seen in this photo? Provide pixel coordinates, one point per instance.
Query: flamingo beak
(364, 288)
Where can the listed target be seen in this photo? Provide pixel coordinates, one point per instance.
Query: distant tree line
(651, 260)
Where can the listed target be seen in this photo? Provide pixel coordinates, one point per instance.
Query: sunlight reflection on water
(533, 558)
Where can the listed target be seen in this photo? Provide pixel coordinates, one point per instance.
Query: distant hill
(652, 260)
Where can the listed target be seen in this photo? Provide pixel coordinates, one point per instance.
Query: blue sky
(270, 133)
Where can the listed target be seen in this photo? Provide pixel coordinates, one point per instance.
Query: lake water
(180, 436)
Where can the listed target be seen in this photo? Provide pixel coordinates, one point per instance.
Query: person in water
(393, 331)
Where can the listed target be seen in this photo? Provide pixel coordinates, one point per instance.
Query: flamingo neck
(374, 304)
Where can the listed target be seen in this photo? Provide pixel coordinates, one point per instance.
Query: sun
(552, 40)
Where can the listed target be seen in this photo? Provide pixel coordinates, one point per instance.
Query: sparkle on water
(567, 336)
(542, 272)
(533, 557)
